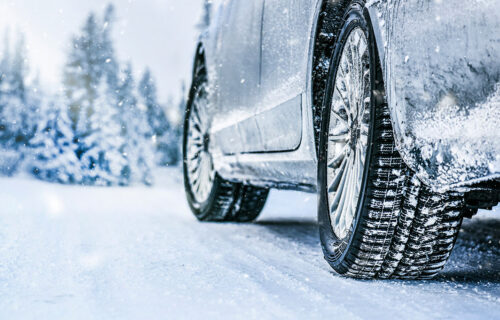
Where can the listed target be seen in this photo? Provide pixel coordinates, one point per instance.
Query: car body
(389, 110)
(441, 79)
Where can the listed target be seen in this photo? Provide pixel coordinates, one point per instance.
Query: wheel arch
(328, 25)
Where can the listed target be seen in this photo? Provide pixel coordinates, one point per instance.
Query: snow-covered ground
(138, 253)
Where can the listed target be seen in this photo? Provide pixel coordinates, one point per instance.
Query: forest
(101, 127)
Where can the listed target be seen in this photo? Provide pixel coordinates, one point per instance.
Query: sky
(160, 34)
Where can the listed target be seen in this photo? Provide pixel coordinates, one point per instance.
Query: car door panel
(285, 55)
(238, 75)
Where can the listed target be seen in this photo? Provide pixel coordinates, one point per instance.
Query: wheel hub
(206, 140)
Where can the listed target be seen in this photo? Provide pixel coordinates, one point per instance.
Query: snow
(138, 253)
(442, 77)
(470, 131)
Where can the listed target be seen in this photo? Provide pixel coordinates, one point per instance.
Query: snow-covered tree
(53, 153)
(174, 135)
(136, 130)
(179, 123)
(19, 70)
(18, 100)
(103, 148)
(91, 59)
(92, 86)
(103, 130)
(5, 58)
(158, 121)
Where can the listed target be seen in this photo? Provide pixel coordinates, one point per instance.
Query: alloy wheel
(200, 169)
(348, 132)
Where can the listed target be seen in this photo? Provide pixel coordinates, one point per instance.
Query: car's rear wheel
(376, 219)
(210, 197)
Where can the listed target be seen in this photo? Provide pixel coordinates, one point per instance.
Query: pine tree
(4, 74)
(136, 130)
(53, 153)
(91, 82)
(103, 147)
(82, 73)
(5, 60)
(31, 110)
(111, 66)
(179, 125)
(19, 70)
(18, 101)
(9, 159)
(92, 59)
(156, 118)
(173, 135)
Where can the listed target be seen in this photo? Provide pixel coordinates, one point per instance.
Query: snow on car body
(442, 74)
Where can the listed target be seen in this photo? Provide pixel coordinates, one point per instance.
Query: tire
(400, 228)
(223, 201)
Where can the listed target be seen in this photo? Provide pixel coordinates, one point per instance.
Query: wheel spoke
(339, 173)
(193, 166)
(193, 153)
(343, 193)
(352, 192)
(335, 161)
(338, 138)
(340, 189)
(196, 119)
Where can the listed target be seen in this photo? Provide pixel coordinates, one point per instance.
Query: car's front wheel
(377, 220)
(210, 197)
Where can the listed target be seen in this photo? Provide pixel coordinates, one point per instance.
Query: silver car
(388, 110)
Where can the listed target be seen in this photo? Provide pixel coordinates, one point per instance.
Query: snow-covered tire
(400, 228)
(223, 201)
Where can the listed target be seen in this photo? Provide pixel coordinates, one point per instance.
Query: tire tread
(407, 231)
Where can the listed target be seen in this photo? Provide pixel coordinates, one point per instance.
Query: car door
(287, 31)
(238, 77)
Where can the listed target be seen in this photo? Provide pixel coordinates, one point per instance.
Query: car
(388, 110)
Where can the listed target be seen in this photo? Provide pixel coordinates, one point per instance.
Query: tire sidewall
(335, 249)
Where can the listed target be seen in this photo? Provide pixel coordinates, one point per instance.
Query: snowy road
(137, 253)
